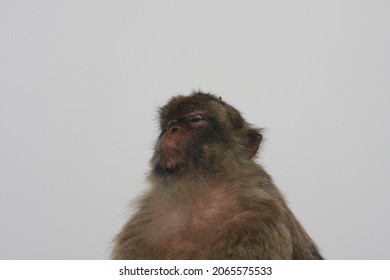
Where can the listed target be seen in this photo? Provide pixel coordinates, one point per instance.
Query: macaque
(208, 198)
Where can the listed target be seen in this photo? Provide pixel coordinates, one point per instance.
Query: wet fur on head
(228, 133)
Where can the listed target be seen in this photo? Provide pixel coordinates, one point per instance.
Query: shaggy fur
(208, 198)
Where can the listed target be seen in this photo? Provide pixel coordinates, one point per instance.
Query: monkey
(208, 198)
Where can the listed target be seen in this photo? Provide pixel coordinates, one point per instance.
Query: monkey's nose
(174, 129)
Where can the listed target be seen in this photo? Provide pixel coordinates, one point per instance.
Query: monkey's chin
(170, 162)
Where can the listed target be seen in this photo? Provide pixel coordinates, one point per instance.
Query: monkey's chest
(192, 231)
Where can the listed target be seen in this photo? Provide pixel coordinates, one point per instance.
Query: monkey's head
(200, 131)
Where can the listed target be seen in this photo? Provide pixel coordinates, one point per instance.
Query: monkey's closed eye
(195, 118)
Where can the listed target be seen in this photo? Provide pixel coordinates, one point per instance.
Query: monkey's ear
(255, 138)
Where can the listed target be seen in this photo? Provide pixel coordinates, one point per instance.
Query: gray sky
(80, 83)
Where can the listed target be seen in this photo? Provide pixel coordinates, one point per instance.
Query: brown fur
(208, 198)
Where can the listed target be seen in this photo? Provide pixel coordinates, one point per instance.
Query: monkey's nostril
(174, 129)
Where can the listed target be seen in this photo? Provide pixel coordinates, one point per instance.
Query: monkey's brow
(184, 116)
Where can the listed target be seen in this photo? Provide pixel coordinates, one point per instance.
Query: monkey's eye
(195, 118)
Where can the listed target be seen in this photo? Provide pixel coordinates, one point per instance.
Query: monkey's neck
(234, 175)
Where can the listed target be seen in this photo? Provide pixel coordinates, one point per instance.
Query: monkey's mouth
(171, 152)
(171, 149)
(171, 156)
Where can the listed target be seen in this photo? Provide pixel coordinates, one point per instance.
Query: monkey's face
(181, 142)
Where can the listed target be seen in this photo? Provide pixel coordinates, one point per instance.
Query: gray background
(80, 82)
